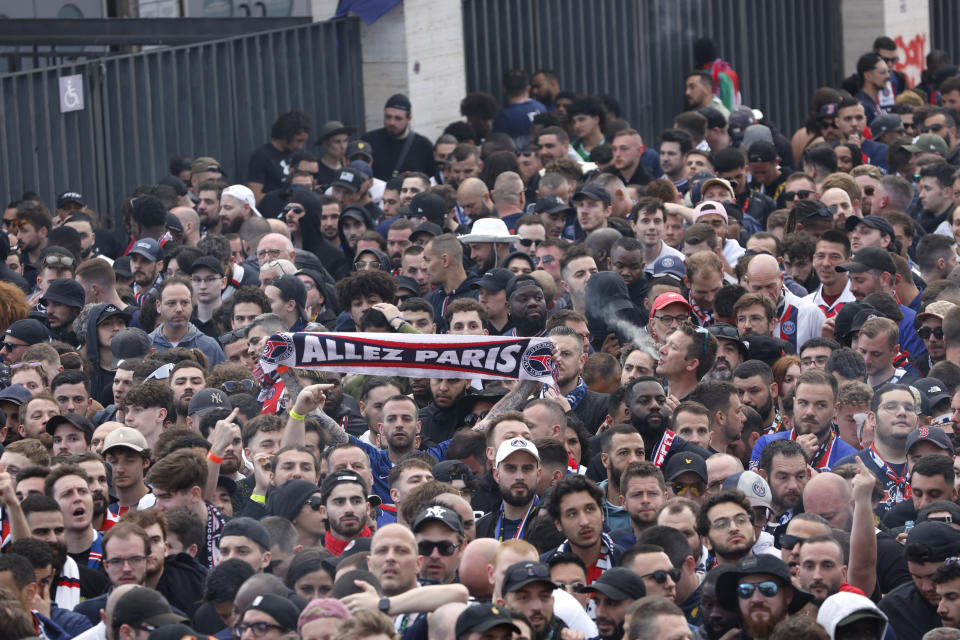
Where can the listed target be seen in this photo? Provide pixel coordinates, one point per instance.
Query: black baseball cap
(550, 204)
(874, 222)
(337, 478)
(172, 222)
(206, 262)
(682, 462)
(443, 515)
(280, 609)
(206, 400)
(121, 266)
(398, 101)
(762, 151)
(941, 540)
(247, 528)
(65, 291)
(428, 205)
(495, 280)
(869, 258)
(933, 392)
(359, 148)
(618, 583)
(432, 229)
(67, 197)
(408, 283)
(348, 178)
(765, 348)
(483, 617)
(77, 421)
(768, 564)
(593, 191)
(933, 435)
(291, 288)
(724, 331)
(29, 330)
(143, 605)
(111, 310)
(521, 574)
(843, 321)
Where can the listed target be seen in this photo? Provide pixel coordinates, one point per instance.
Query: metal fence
(215, 99)
(640, 51)
(944, 18)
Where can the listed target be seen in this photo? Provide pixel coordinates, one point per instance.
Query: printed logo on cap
(71, 194)
(346, 175)
(667, 262)
(538, 359)
(924, 432)
(143, 245)
(435, 512)
(216, 398)
(256, 601)
(518, 442)
(759, 489)
(934, 389)
(788, 327)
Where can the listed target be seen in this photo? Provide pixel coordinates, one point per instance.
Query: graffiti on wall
(912, 55)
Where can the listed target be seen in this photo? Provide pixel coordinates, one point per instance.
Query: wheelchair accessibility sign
(71, 93)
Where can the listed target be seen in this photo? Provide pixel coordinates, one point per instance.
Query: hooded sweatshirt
(313, 241)
(610, 309)
(194, 339)
(101, 380)
(842, 605)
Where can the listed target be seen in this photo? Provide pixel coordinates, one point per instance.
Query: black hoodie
(610, 309)
(101, 380)
(313, 241)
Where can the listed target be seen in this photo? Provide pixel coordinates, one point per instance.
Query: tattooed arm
(510, 402)
(308, 400)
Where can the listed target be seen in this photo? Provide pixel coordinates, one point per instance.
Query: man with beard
(390, 141)
(175, 308)
(815, 405)
(446, 411)
(577, 265)
(527, 307)
(527, 588)
(725, 523)
(731, 351)
(568, 356)
(440, 541)
(613, 593)
(69, 485)
(758, 390)
(761, 590)
(344, 506)
(186, 380)
(621, 446)
(649, 415)
(146, 260)
(126, 555)
(517, 473)
(490, 242)
(74, 581)
(726, 418)
(63, 301)
(237, 205)
(96, 471)
(642, 491)
(822, 570)
(208, 204)
(576, 507)
(717, 620)
(129, 456)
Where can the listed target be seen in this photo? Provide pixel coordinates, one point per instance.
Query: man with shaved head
(474, 562)
(275, 246)
(394, 559)
(190, 222)
(508, 198)
(798, 320)
(474, 198)
(828, 495)
(720, 466)
(441, 623)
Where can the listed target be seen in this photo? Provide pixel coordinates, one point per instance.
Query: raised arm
(309, 400)
(420, 600)
(513, 400)
(862, 571)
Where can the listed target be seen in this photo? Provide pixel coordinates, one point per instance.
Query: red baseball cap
(666, 299)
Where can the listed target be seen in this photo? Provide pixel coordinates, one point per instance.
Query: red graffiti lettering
(912, 61)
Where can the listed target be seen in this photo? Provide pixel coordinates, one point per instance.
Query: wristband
(297, 416)
(214, 459)
(256, 497)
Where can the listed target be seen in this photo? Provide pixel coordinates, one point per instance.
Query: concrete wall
(906, 21)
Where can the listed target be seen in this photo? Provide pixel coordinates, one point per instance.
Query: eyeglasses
(56, 260)
(741, 520)
(364, 265)
(544, 260)
(259, 629)
(788, 541)
(237, 385)
(931, 127)
(803, 194)
(926, 332)
(133, 561)
(869, 191)
(315, 502)
(673, 319)
(293, 207)
(893, 405)
(445, 547)
(474, 418)
(693, 489)
(15, 224)
(810, 361)
(530, 243)
(768, 589)
(273, 254)
(660, 575)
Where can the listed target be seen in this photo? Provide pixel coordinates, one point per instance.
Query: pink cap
(666, 299)
(708, 207)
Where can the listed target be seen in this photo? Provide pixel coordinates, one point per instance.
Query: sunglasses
(315, 502)
(803, 194)
(829, 124)
(529, 243)
(660, 575)
(788, 541)
(237, 385)
(474, 418)
(445, 547)
(820, 212)
(683, 489)
(931, 127)
(293, 207)
(9, 346)
(926, 332)
(66, 261)
(768, 588)
(544, 260)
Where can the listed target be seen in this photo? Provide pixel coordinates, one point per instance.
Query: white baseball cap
(243, 194)
(513, 445)
(752, 485)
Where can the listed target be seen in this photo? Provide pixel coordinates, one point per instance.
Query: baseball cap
(398, 101)
(332, 128)
(874, 222)
(432, 229)
(334, 480)
(177, 185)
(514, 445)
(933, 435)
(682, 462)
(121, 266)
(243, 194)
(764, 348)
(762, 151)
(344, 585)
(228, 483)
(709, 182)
(291, 288)
(669, 266)
(495, 280)
(206, 400)
(828, 110)
(206, 262)
(205, 163)
(362, 167)
(29, 330)
(356, 212)
(428, 205)
(928, 142)
(618, 583)
(131, 342)
(77, 421)
(348, 178)
(143, 605)
(666, 299)
(885, 122)
(942, 540)
(16, 393)
(68, 197)
(126, 437)
(521, 574)
(741, 118)
(550, 204)
(280, 609)
(110, 310)
(450, 470)
(409, 284)
(440, 514)
(172, 222)
(936, 309)
(360, 148)
(65, 291)
(932, 391)
(593, 191)
(148, 248)
(724, 331)
(869, 258)
(843, 323)
(247, 528)
(752, 485)
(714, 117)
(710, 207)
(483, 617)
(521, 280)
(762, 563)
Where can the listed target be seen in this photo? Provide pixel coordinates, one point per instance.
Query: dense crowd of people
(751, 426)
